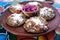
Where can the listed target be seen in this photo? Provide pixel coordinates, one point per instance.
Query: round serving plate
(20, 30)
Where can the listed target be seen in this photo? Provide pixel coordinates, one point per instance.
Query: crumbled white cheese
(14, 21)
(17, 17)
(17, 6)
(33, 3)
(47, 12)
(37, 21)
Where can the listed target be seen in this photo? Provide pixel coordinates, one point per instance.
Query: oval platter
(20, 30)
